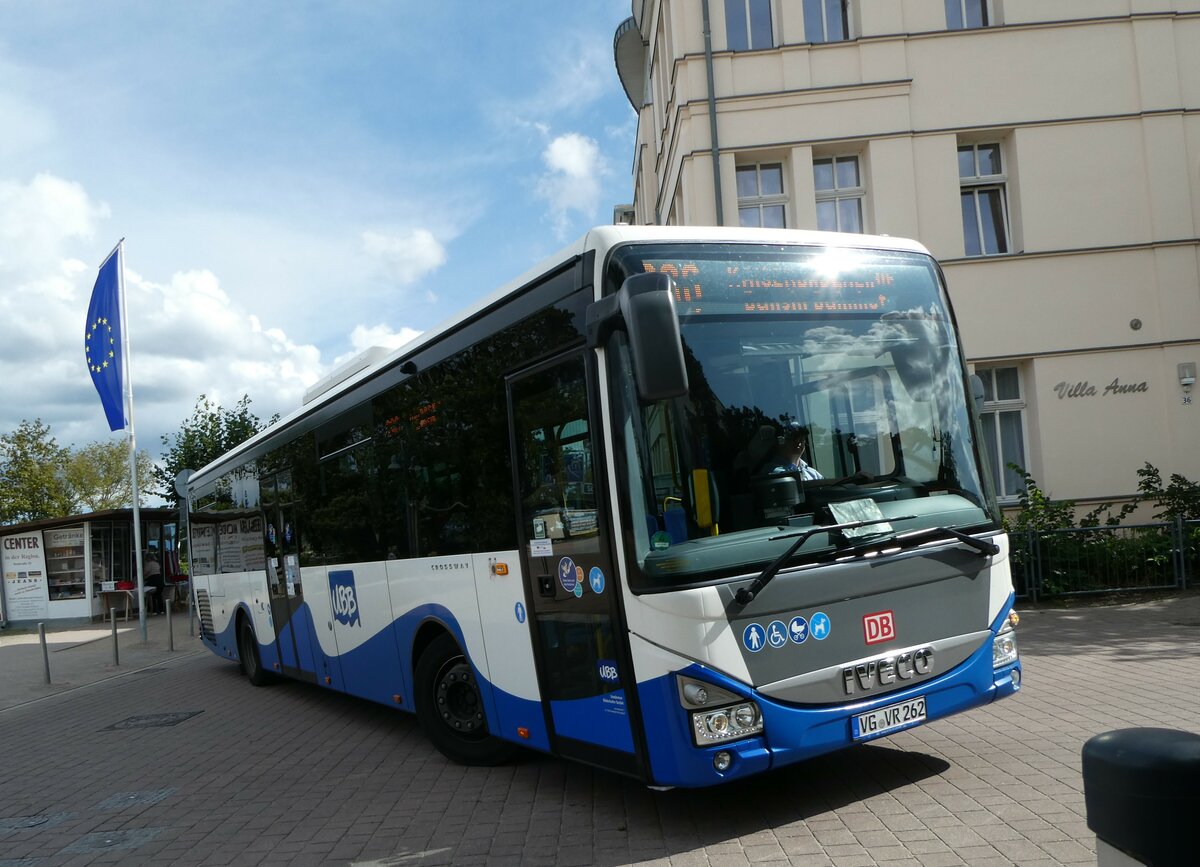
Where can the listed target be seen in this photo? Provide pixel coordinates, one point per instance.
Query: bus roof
(600, 239)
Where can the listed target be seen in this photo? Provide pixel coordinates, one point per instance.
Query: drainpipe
(712, 117)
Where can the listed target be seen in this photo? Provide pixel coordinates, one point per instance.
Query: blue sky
(295, 181)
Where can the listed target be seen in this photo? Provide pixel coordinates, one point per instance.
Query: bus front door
(576, 624)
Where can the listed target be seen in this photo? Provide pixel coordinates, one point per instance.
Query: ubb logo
(344, 598)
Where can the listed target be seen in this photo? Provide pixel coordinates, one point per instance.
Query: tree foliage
(210, 432)
(1179, 500)
(33, 484)
(98, 475)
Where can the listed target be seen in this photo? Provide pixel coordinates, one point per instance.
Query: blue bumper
(792, 733)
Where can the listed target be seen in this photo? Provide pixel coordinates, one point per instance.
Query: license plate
(888, 719)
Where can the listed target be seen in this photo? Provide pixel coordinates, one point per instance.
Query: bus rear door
(293, 635)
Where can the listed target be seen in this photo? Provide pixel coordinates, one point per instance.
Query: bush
(1066, 554)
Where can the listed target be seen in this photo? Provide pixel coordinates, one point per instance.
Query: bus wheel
(450, 707)
(248, 654)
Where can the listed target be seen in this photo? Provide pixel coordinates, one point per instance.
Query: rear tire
(251, 662)
(450, 707)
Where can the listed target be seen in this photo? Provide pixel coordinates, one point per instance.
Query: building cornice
(1079, 350)
(1008, 125)
(1073, 251)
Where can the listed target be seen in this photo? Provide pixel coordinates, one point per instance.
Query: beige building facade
(1046, 151)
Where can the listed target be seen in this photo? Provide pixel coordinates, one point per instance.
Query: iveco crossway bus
(688, 504)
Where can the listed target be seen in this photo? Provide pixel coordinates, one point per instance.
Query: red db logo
(879, 627)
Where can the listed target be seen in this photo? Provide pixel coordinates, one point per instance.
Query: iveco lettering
(688, 504)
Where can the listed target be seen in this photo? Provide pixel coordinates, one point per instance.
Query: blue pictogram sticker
(798, 630)
(753, 637)
(344, 597)
(271, 533)
(566, 574)
(819, 625)
(578, 591)
(287, 532)
(520, 612)
(777, 634)
(596, 579)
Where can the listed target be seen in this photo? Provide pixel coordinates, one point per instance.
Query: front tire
(251, 662)
(450, 706)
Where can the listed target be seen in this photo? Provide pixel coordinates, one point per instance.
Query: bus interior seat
(675, 522)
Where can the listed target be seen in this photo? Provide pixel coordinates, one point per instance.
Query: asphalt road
(173, 758)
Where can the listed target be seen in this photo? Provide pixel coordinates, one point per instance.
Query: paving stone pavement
(294, 775)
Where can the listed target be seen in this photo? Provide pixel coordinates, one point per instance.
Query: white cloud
(186, 336)
(407, 257)
(364, 337)
(572, 180)
(39, 218)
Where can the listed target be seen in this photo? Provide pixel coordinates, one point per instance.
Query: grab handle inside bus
(645, 306)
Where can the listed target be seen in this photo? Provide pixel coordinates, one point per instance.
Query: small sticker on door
(566, 574)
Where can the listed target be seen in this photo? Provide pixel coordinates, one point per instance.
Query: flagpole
(137, 515)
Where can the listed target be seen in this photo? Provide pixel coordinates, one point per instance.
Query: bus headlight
(718, 715)
(726, 724)
(1004, 649)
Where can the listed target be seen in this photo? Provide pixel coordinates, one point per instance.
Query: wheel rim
(456, 694)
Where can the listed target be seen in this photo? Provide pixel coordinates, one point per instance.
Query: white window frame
(847, 20)
(987, 13)
(978, 183)
(989, 416)
(838, 194)
(749, 24)
(761, 201)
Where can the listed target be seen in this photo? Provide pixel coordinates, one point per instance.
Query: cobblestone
(293, 775)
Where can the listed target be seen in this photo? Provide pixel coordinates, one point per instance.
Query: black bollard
(1142, 792)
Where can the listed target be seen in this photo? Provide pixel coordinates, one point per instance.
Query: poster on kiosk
(26, 594)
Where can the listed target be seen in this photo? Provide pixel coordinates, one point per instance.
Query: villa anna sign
(1086, 389)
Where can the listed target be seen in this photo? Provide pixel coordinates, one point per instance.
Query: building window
(967, 14)
(826, 20)
(984, 206)
(760, 195)
(748, 24)
(838, 183)
(1003, 421)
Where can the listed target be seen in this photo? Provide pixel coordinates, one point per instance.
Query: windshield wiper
(983, 546)
(746, 594)
(915, 538)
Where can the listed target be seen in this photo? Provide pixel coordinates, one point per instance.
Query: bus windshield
(826, 387)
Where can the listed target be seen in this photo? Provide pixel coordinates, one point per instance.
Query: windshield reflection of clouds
(857, 349)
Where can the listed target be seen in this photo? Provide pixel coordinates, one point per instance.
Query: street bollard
(112, 618)
(1139, 788)
(45, 652)
(170, 627)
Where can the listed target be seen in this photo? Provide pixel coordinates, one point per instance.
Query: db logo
(344, 598)
(879, 627)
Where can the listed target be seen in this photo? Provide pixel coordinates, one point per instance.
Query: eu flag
(102, 340)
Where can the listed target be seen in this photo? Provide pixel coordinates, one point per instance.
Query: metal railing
(1085, 560)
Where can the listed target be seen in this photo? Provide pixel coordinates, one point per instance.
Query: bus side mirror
(645, 306)
(977, 392)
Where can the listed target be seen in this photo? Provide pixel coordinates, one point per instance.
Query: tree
(209, 433)
(33, 484)
(98, 475)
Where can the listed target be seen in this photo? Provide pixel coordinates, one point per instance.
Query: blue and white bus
(688, 504)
